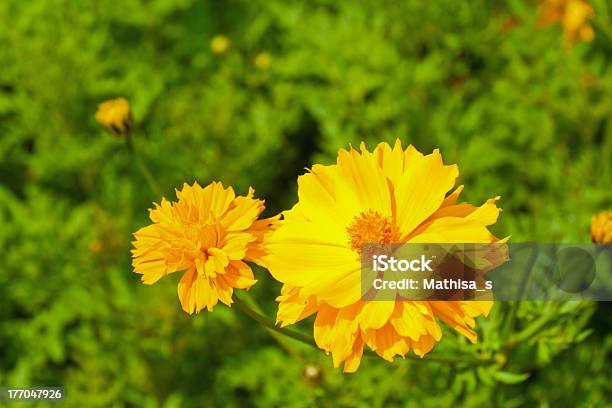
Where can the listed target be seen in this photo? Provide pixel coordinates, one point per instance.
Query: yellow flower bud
(601, 228)
(263, 60)
(115, 115)
(219, 44)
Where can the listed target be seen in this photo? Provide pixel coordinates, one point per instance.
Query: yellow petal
(244, 212)
(386, 342)
(238, 275)
(235, 244)
(477, 308)
(451, 199)
(318, 200)
(217, 261)
(375, 314)
(451, 230)
(487, 213)
(390, 160)
(410, 322)
(301, 253)
(423, 345)
(452, 314)
(335, 330)
(421, 189)
(351, 364)
(185, 291)
(224, 289)
(363, 181)
(292, 307)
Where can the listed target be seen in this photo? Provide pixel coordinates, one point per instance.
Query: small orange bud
(115, 115)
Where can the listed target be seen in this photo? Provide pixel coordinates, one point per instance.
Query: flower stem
(280, 338)
(270, 324)
(528, 332)
(142, 167)
(450, 360)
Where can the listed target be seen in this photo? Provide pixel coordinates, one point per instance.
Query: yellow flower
(263, 61)
(219, 44)
(573, 14)
(388, 195)
(601, 228)
(115, 115)
(208, 233)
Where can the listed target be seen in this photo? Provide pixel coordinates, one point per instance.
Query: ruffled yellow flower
(209, 233)
(601, 228)
(390, 195)
(115, 115)
(219, 44)
(573, 14)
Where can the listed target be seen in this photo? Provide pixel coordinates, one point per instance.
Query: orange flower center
(370, 227)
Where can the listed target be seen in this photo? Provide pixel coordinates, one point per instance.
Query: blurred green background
(523, 117)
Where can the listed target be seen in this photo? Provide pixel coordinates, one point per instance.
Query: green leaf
(510, 378)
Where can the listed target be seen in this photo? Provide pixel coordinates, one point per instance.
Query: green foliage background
(521, 116)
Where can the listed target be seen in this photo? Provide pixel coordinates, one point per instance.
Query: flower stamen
(371, 227)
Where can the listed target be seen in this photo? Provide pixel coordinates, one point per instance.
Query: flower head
(219, 44)
(574, 15)
(115, 115)
(601, 228)
(208, 233)
(390, 195)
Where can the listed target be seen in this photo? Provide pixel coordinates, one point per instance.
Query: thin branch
(142, 167)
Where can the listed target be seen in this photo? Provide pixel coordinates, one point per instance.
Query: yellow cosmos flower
(573, 14)
(390, 195)
(601, 228)
(115, 115)
(208, 233)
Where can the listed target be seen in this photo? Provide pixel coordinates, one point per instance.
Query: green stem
(530, 330)
(270, 324)
(449, 360)
(280, 338)
(142, 167)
